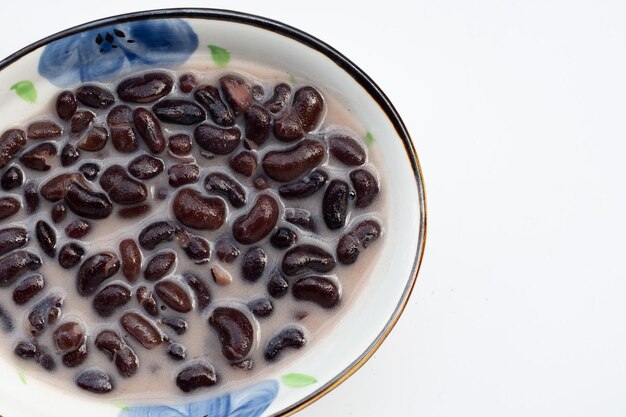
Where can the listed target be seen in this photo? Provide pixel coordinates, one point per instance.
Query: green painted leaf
(298, 380)
(22, 377)
(25, 90)
(292, 78)
(122, 407)
(369, 139)
(221, 56)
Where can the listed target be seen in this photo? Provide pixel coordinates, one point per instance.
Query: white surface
(517, 110)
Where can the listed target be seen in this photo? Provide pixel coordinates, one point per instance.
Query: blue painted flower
(102, 53)
(248, 402)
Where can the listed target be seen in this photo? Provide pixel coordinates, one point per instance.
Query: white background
(517, 112)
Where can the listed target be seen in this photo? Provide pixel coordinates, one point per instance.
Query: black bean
(47, 238)
(227, 187)
(194, 210)
(155, 233)
(66, 105)
(234, 330)
(209, 97)
(87, 203)
(145, 167)
(121, 188)
(134, 211)
(196, 375)
(348, 247)
(124, 139)
(187, 82)
(28, 288)
(89, 170)
(147, 301)
(159, 265)
(217, 140)
(58, 213)
(226, 249)
(96, 381)
(117, 350)
(320, 290)
(131, 259)
(56, 188)
(244, 163)
(12, 178)
(177, 351)
(200, 289)
(77, 229)
(81, 121)
(307, 257)
(335, 204)
(180, 145)
(277, 285)
(111, 298)
(258, 123)
(39, 156)
(177, 111)
(96, 139)
(346, 149)
(305, 186)
(142, 329)
(308, 105)
(46, 312)
(76, 357)
(254, 262)
(261, 307)
(237, 93)
(46, 361)
(12, 238)
(69, 155)
(11, 142)
(70, 255)
(289, 337)
(258, 222)
(44, 129)
(8, 207)
(290, 164)
(16, 264)
(149, 129)
(197, 248)
(69, 336)
(366, 187)
(95, 270)
(25, 349)
(178, 324)
(183, 174)
(145, 88)
(95, 96)
(283, 237)
(288, 128)
(174, 295)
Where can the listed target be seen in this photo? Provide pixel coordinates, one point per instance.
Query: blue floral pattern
(103, 53)
(248, 402)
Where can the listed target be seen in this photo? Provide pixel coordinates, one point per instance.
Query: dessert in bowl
(200, 210)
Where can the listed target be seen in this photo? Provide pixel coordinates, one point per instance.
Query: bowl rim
(357, 74)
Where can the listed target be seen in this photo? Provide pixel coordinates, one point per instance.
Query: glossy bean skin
(111, 298)
(149, 129)
(117, 350)
(180, 145)
(15, 264)
(350, 244)
(56, 188)
(11, 142)
(183, 174)
(196, 375)
(200, 289)
(124, 139)
(217, 140)
(145, 167)
(194, 210)
(258, 124)
(366, 187)
(237, 92)
(174, 295)
(307, 258)
(293, 163)
(66, 105)
(28, 288)
(37, 158)
(46, 312)
(131, 259)
(283, 238)
(346, 149)
(258, 222)
(94, 96)
(80, 121)
(177, 351)
(69, 155)
(95, 270)
(8, 207)
(96, 139)
(31, 197)
(12, 238)
(197, 248)
(77, 356)
(277, 285)
(244, 163)
(90, 171)
(177, 324)
(77, 229)
(87, 203)
(121, 188)
(227, 187)
(145, 88)
(304, 187)
(335, 204)
(70, 255)
(187, 82)
(254, 262)
(320, 290)
(308, 105)
(159, 265)
(289, 337)
(261, 307)
(288, 128)
(58, 213)
(177, 111)
(44, 129)
(155, 233)
(95, 381)
(234, 330)
(226, 250)
(47, 238)
(279, 100)
(12, 178)
(147, 301)
(209, 97)
(142, 329)
(69, 336)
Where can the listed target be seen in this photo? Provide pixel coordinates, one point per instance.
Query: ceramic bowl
(31, 78)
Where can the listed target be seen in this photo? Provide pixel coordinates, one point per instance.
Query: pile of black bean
(236, 160)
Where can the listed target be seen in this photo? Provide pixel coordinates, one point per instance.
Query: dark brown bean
(217, 140)
(16, 264)
(87, 203)
(308, 105)
(81, 121)
(76, 357)
(177, 111)
(47, 238)
(283, 237)
(12, 238)
(31, 196)
(8, 207)
(196, 375)
(46, 312)
(94, 96)
(159, 265)
(320, 290)
(197, 211)
(96, 139)
(11, 142)
(56, 188)
(131, 259)
(187, 82)
(335, 204)
(12, 178)
(155, 233)
(39, 156)
(277, 285)
(244, 163)
(149, 129)
(89, 170)
(258, 222)
(366, 187)
(304, 187)
(25, 349)
(288, 128)
(180, 145)
(280, 98)
(234, 330)
(177, 351)
(237, 93)
(96, 381)
(121, 188)
(258, 122)
(142, 329)
(346, 149)
(145, 88)
(95, 270)
(69, 155)
(290, 164)
(261, 307)
(305, 258)
(58, 213)
(147, 301)
(134, 211)
(200, 289)
(124, 139)
(120, 115)
(209, 97)
(46, 361)
(177, 324)
(226, 250)
(77, 229)
(111, 298)
(289, 337)
(66, 105)
(112, 345)
(348, 247)
(70, 255)
(253, 265)
(69, 336)
(44, 129)
(145, 166)
(174, 295)
(183, 174)
(28, 288)
(197, 248)
(226, 186)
